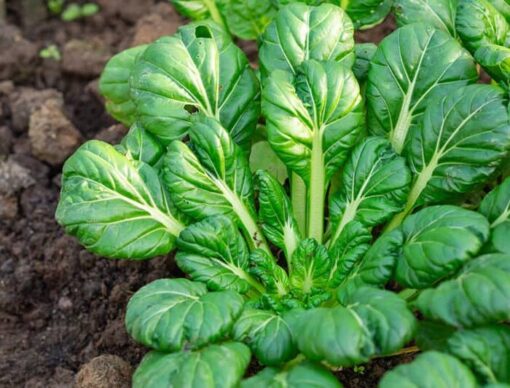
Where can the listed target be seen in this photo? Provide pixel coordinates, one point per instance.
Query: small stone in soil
(161, 20)
(13, 177)
(112, 134)
(85, 58)
(5, 143)
(105, 371)
(52, 136)
(19, 56)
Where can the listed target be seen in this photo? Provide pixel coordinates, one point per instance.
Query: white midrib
(503, 217)
(242, 274)
(317, 185)
(290, 242)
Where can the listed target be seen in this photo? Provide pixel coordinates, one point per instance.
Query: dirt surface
(60, 306)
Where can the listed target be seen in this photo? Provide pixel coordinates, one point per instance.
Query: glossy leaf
(197, 69)
(272, 276)
(310, 266)
(438, 241)
(364, 53)
(430, 369)
(478, 295)
(305, 374)
(300, 32)
(141, 145)
(268, 335)
(169, 314)
(114, 85)
(438, 13)
(375, 185)
(372, 322)
(247, 19)
(496, 207)
(367, 13)
(115, 206)
(413, 66)
(213, 251)
(213, 366)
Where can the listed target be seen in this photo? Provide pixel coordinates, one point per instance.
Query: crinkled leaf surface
(306, 374)
(496, 207)
(141, 145)
(300, 32)
(272, 276)
(114, 85)
(197, 69)
(375, 185)
(268, 335)
(478, 295)
(438, 240)
(214, 366)
(438, 13)
(367, 13)
(430, 369)
(169, 314)
(115, 206)
(310, 266)
(413, 66)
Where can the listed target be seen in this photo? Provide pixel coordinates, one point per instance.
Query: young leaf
(214, 366)
(368, 13)
(479, 295)
(364, 53)
(197, 69)
(116, 207)
(485, 350)
(114, 85)
(478, 24)
(304, 374)
(310, 266)
(430, 369)
(275, 212)
(313, 120)
(142, 146)
(413, 66)
(268, 335)
(438, 240)
(272, 276)
(462, 141)
(300, 32)
(213, 251)
(375, 185)
(168, 314)
(496, 207)
(372, 322)
(438, 13)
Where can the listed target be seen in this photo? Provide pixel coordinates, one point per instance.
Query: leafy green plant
(50, 52)
(294, 270)
(76, 11)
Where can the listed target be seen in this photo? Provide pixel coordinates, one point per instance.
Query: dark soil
(61, 306)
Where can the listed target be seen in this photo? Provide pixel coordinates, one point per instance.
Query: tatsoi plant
(294, 274)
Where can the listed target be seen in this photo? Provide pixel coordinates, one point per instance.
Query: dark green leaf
(311, 266)
(496, 207)
(496, 62)
(272, 276)
(438, 13)
(364, 54)
(141, 145)
(367, 13)
(433, 336)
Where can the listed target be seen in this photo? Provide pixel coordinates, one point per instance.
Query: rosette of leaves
(294, 274)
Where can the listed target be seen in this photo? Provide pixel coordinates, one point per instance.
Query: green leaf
(275, 212)
(272, 276)
(480, 294)
(433, 336)
(485, 350)
(114, 85)
(364, 54)
(142, 146)
(213, 251)
(116, 207)
(367, 13)
(211, 367)
(430, 369)
(496, 62)
(496, 207)
(373, 322)
(305, 374)
(438, 13)
(199, 9)
(247, 19)
(412, 67)
(310, 266)
(268, 335)
(169, 314)
(478, 24)
(262, 157)
(300, 32)
(197, 69)
(438, 241)
(375, 186)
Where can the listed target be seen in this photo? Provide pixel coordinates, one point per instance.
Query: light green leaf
(413, 66)
(199, 9)
(478, 24)
(375, 186)
(478, 295)
(169, 314)
(268, 335)
(197, 69)
(366, 13)
(300, 32)
(306, 374)
(496, 207)
(116, 207)
(247, 19)
(114, 85)
(430, 369)
(364, 54)
(211, 367)
(275, 211)
(262, 157)
(272, 276)
(310, 266)
(438, 13)
(213, 251)
(373, 322)
(142, 146)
